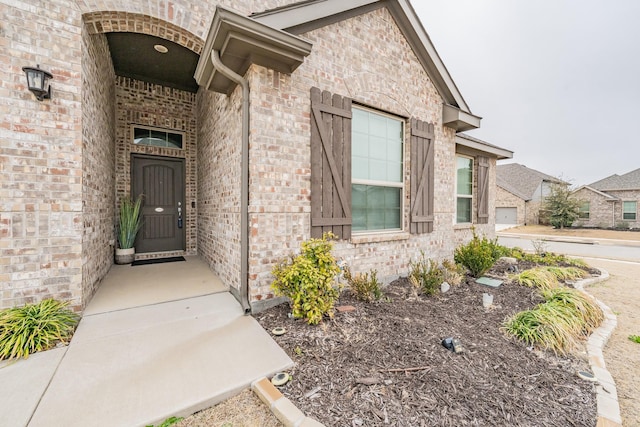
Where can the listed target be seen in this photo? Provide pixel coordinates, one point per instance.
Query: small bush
(479, 255)
(547, 258)
(452, 272)
(365, 286)
(308, 280)
(635, 338)
(426, 275)
(35, 327)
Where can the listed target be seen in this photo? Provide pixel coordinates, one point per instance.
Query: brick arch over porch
(111, 22)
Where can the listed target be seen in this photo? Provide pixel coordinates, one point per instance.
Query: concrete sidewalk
(139, 366)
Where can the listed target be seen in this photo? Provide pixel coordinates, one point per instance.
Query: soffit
(242, 41)
(134, 56)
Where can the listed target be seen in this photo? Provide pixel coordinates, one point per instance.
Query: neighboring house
(611, 202)
(264, 123)
(521, 192)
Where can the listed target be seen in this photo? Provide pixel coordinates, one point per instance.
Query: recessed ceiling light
(161, 48)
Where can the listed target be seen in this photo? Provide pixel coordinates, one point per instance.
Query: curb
(280, 406)
(570, 239)
(606, 393)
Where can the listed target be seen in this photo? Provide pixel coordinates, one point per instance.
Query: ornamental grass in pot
(129, 224)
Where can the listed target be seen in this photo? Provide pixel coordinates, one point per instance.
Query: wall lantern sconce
(38, 81)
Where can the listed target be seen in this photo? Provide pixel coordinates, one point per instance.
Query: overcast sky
(556, 81)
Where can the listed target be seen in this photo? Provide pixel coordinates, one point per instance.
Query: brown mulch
(384, 363)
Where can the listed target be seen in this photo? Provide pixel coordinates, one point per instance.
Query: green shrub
(479, 255)
(426, 275)
(365, 286)
(308, 280)
(35, 327)
(635, 338)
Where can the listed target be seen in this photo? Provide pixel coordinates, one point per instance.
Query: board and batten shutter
(330, 164)
(422, 177)
(483, 190)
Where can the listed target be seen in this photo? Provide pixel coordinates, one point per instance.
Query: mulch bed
(384, 363)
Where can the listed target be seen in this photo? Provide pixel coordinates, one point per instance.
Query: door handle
(179, 214)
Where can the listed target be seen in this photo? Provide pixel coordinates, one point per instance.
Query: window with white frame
(583, 213)
(629, 210)
(377, 184)
(464, 189)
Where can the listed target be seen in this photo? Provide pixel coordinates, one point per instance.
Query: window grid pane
(157, 138)
(377, 156)
(629, 210)
(464, 189)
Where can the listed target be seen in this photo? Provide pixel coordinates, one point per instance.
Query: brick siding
(41, 223)
(505, 199)
(98, 158)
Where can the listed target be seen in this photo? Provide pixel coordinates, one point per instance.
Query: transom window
(376, 172)
(629, 210)
(157, 137)
(464, 189)
(583, 213)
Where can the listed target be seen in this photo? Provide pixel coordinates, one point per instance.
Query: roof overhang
(459, 120)
(242, 41)
(481, 146)
(607, 197)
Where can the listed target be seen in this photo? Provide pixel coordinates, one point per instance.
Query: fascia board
(306, 12)
(499, 153)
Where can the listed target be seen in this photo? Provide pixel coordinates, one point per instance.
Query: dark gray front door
(161, 182)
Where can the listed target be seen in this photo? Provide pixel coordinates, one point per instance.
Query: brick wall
(219, 166)
(147, 104)
(192, 15)
(41, 155)
(505, 199)
(98, 158)
(627, 195)
(386, 76)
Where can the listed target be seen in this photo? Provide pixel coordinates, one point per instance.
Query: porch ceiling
(134, 56)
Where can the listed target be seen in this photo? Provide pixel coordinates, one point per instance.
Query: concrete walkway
(138, 366)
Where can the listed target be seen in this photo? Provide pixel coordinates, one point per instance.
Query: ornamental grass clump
(579, 303)
(364, 286)
(309, 280)
(566, 273)
(567, 316)
(35, 327)
(536, 278)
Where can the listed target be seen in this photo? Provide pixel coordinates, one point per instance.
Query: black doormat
(157, 260)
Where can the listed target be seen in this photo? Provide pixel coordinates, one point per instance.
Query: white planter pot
(125, 256)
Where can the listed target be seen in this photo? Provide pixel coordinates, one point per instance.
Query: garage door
(506, 215)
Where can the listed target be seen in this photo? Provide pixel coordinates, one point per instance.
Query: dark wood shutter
(422, 176)
(483, 190)
(330, 164)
